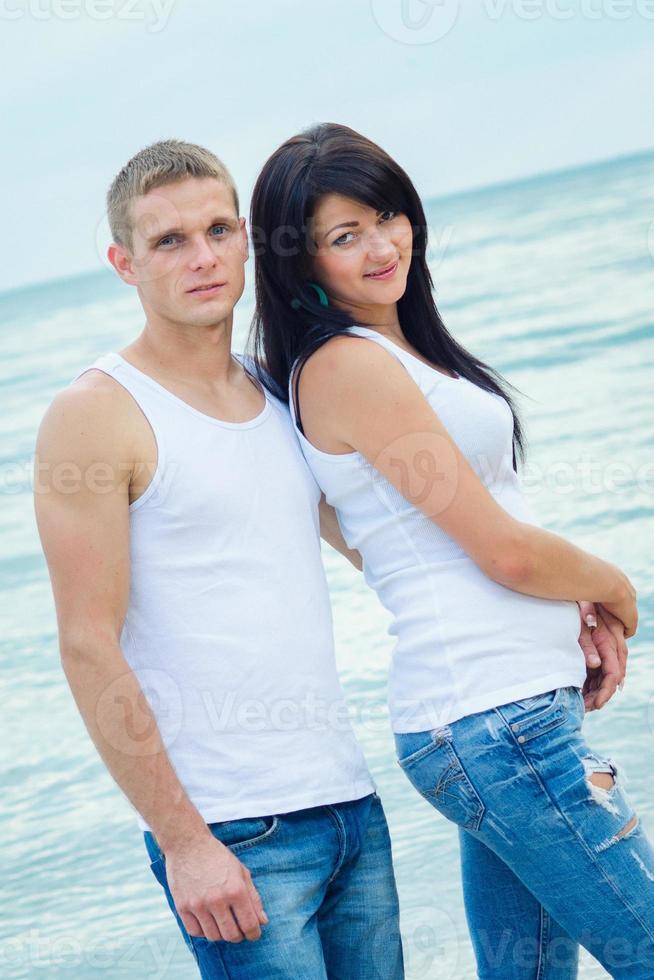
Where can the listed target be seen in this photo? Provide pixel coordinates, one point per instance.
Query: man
(181, 528)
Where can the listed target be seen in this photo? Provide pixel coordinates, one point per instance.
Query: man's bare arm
(84, 464)
(330, 532)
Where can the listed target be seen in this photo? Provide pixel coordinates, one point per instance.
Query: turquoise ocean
(550, 280)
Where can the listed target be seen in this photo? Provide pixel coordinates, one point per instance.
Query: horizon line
(448, 195)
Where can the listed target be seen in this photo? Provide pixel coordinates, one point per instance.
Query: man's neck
(179, 351)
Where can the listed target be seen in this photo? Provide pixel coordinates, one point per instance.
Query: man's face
(189, 248)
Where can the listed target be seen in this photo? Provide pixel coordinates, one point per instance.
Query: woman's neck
(384, 319)
(390, 329)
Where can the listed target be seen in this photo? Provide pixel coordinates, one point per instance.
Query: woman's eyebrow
(343, 224)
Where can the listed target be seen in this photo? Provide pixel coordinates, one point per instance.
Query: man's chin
(212, 312)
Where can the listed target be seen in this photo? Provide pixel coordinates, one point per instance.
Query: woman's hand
(603, 643)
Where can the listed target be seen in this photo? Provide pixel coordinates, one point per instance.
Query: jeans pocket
(241, 834)
(435, 770)
(537, 701)
(158, 870)
(536, 715)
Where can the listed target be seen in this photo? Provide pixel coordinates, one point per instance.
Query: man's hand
(213, 892)
(606, 653)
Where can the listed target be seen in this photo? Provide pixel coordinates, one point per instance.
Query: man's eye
(219, 229)
(167, 240)
(341, 240)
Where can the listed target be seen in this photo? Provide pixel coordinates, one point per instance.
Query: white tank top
(464, 643)
(229, 626)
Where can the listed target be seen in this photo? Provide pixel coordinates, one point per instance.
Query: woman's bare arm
(360, 397)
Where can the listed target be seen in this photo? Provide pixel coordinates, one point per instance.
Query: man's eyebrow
(222, 220)
(180, 231)
(163, 234)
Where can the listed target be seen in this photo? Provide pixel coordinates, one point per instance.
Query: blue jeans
(325, 877)
(544, 865)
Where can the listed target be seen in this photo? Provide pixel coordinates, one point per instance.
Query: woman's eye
(342, 240)
(387, 215)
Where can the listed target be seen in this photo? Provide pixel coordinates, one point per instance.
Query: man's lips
(384, 273)
(207, 290)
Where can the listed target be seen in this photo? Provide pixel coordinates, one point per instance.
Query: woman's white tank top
(464, 643)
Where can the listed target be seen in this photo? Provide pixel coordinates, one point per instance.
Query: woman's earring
(322, 295)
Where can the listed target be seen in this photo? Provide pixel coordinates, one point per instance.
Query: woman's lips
(383, 273)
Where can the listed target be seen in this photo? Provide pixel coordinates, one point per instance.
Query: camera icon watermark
(151, 712)
(431, 941)
(415, 21)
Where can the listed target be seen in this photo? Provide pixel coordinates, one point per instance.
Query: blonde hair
(165, 162)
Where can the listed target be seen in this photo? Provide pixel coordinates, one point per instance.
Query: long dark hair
(289, 321)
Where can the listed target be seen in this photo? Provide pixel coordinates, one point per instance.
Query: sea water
(551, 281)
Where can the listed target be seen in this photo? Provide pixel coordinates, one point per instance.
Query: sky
(463, 93)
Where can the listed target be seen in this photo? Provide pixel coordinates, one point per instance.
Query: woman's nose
(379, 244)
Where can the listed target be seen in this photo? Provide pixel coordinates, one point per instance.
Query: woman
(415, 442)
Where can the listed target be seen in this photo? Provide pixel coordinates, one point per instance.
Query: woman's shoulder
(346, 356)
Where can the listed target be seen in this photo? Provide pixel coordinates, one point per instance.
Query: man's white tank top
(229, 627)
(464, 643)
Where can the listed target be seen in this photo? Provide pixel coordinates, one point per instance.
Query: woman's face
(361, 256)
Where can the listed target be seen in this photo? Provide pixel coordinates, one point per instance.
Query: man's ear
(246, 244)
(122, 262)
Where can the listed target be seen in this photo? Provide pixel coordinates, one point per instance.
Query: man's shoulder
(93, 379)
(95, 393)
(89, 391)
(92, 411)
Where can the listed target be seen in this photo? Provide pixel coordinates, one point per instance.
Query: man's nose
(202, 255)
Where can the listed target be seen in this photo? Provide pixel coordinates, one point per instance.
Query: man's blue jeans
(546, 861)
(326, 881)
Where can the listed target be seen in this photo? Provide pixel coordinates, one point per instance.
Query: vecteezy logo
(128, 722)
(415, 21)
(423, 468)
(431, 943)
